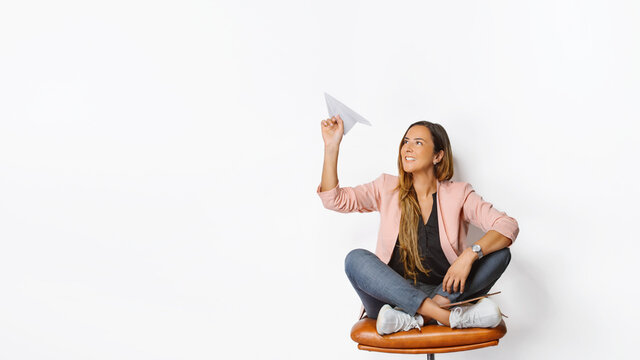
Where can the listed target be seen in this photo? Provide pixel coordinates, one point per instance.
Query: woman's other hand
(458, 272)
(332, 131)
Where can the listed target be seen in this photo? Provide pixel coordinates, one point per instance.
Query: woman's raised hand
(332, 131)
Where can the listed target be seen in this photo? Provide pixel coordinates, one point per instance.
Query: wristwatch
(476, 249)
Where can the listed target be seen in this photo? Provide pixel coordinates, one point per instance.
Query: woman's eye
(419, 142)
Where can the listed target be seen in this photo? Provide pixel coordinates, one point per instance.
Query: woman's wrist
(332, 148)
(469, 255)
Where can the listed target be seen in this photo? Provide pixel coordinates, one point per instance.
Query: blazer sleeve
(362, 198)
(483, 215)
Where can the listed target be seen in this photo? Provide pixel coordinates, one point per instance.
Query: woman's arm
(456, 276)
(361, 198)
(500, 231)
(330, 168)
(490, 242)
(483, 215)
(332, 132)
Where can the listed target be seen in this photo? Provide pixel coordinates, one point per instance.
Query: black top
(429, 244)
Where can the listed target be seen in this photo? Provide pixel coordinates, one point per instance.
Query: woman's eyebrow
(415, 138)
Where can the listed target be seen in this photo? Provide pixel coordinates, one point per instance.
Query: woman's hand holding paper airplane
(349, 116)
(332, 131)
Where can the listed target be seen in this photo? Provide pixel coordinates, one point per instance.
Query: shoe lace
(468, 318)
(412, 324)
(457, 314)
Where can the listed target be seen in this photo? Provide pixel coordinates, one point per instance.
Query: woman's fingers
(448, 285)
(330, 121)
(453, 283)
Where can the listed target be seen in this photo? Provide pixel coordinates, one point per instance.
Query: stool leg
(431, 357)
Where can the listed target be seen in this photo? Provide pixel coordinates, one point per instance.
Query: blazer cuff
(508, 228)
(327, 194)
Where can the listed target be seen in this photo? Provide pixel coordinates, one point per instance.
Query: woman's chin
(410, 169)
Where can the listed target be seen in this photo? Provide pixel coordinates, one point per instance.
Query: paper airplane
(348, 116)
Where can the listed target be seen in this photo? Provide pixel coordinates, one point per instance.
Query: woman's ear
(439, 156)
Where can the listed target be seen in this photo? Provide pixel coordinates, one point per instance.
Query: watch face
(476, 248)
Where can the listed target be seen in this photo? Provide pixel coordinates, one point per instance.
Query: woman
(421, 261)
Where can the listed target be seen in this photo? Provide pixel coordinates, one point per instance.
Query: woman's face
(417, 150)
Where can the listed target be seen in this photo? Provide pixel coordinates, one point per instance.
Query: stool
(432, 339)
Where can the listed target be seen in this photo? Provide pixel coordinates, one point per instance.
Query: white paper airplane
(349, 117)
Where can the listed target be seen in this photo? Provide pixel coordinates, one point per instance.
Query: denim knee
(504, 255)
(353, 258)
(501, 258)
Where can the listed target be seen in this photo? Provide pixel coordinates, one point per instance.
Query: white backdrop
(159, 161)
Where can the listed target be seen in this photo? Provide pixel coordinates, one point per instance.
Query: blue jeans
(377, 284)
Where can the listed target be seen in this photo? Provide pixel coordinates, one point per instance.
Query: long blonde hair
(409, 206)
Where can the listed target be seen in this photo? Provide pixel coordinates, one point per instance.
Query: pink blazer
(457, 203)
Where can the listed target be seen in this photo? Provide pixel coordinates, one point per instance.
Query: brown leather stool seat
(432, 339)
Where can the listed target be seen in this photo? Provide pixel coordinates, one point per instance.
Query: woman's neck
(425, 184)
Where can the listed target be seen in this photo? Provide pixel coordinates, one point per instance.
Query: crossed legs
(377, 284)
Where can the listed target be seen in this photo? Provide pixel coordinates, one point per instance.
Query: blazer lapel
(446, 242)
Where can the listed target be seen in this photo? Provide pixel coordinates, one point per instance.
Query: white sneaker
(484, 314)
(392, 320)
